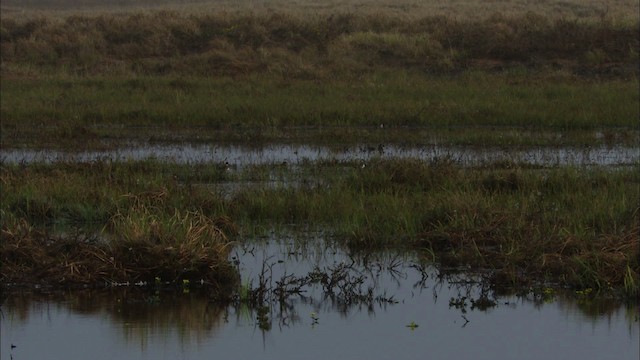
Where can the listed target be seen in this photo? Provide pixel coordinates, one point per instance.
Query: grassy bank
(575, 227)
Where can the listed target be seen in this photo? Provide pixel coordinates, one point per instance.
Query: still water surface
(296, 154)
(129, 323)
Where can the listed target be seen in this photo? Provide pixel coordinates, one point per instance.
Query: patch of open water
(297, 154)
(117, 324)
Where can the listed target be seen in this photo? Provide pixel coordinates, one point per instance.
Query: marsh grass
(472, 108)
(172, 246)
(304, 46)
(144, 236)
(576, 227)
(245, 76)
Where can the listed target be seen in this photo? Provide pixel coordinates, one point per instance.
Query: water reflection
(138, 313)
(297, 154)
(450, 321)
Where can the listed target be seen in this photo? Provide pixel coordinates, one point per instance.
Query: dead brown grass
(32, 256)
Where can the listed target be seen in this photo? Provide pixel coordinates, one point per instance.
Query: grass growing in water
(140, 247)
(571, 226)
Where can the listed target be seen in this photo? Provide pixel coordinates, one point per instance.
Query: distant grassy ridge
(619, 10)
(86, 79)
(305, 46)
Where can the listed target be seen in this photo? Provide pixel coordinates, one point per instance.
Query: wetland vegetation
(465, 109)
(89, 80)
(570, 226)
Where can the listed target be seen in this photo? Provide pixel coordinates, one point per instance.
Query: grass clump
(187, 247)
(143, 238)
(173, 246)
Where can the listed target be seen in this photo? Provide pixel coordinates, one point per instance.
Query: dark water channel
(407, 311)
(296, 154)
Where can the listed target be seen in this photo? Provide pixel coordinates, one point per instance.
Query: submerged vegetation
(574, 227)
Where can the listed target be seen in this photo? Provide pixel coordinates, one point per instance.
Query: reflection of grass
(594, 307)
(574, 226)
(193, 317)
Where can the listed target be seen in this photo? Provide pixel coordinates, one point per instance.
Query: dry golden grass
(187, 247)
(304, 47)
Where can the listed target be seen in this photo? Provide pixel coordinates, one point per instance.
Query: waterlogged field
(574, 226)
(212, 178)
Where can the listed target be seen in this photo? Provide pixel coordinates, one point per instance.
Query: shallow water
(127, 323)
(297, 154)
